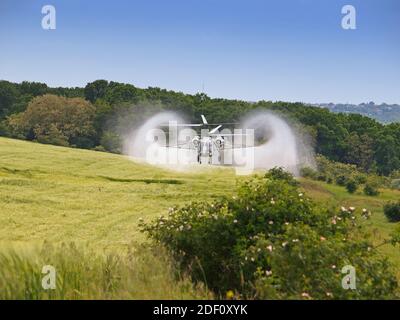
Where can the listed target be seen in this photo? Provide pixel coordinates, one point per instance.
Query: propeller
(215, 129)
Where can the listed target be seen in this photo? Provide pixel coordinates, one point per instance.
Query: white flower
(270, 248)
(252, 259)
(295, 240)
(270, 222)
(284, 244)
(364, 210)
(329, 294)
(268, 272)
(300, 194)
(305, 295)
(343, 209)
(235, 221)
(333, 266)
(352, 208)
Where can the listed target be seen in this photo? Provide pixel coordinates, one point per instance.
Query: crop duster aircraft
(209, 142)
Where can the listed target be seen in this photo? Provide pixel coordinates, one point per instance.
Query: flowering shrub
(271, 241)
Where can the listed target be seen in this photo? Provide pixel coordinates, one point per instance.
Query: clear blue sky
(251, 49)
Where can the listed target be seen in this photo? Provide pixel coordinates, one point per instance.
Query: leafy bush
(341, 180)
(395, 184)
(272, 242)
(53, 136)
(360, 178)
(308, 172)
(371, 189)
(4, 130)
(282, 175)
(111, 142)
(341, 173)
(351, 186)
(392, 211)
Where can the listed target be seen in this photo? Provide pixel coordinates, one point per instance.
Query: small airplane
(209, 141)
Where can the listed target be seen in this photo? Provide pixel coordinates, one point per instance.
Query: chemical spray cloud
(265, 141)
(278, 142)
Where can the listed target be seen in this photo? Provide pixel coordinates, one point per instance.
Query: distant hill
(385, 113)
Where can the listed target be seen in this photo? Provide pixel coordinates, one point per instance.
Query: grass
(95, 199)
(82, 273)
(60, 194)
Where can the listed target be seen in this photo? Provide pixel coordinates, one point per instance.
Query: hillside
(62, 195)
(385, 113)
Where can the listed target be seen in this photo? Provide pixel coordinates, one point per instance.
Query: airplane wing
(183, 145)
(227, 134)
(182, 125)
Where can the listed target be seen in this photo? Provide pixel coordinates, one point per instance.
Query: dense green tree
(56, 120)
(387, 154)
(8, 96)
(359, 151)
(95, 90)
(33, 88)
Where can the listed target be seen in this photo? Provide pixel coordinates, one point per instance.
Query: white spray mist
(281, 144)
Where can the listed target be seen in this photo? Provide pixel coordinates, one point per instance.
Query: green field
(63, 194)
(95, 200)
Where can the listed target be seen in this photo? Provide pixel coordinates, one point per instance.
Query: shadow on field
(166, 181)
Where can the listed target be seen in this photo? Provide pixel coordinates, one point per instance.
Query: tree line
(98, 115)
